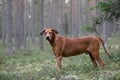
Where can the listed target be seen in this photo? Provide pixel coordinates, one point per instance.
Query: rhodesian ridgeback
(65, 47)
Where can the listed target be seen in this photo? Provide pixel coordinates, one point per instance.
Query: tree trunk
(71, 18)
(107, 29)
(9, 49)
(3, 22)
(74, 18)
(54, 17)
(33, 21)
(15, 23)
(21, 28)
(79, 17)
(41, 23)
(98, 26)
(25, 24)
(64, 25)
(19, 23)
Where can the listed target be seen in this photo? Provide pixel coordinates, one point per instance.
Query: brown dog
(65, 47)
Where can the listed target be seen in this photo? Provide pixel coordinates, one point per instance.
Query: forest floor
(35, 65)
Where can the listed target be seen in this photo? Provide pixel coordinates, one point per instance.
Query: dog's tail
(104, 47)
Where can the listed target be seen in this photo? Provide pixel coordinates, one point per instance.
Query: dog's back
(76, 46)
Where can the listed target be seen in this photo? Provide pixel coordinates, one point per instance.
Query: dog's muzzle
(48, 38)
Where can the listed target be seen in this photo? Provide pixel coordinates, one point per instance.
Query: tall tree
(21, 8)
(19, 23)
(106, 28)
(64, 26)
(29, 27)
(79, 17)
(74, 18)
(41, 22)
(25, 24)
(110, 12)
(33, 20)
(62, 17)
(54, 14)
(71, 18)
(86, 4)
(9, 27)
(97, 25)
(3, 21)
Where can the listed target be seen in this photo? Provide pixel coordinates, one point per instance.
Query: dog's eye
(45, 33)
(50, 33)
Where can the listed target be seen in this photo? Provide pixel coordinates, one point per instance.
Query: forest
(25, 55)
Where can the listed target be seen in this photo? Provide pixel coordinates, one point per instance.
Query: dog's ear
(55, 31)
(41, 33)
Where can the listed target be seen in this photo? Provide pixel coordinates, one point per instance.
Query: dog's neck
(53, 40)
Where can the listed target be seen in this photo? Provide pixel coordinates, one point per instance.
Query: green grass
(36, 65)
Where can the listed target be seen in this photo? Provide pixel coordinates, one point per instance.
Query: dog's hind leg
(93, 60)
(97, 57)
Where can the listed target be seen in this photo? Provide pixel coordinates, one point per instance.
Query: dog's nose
(47, 38)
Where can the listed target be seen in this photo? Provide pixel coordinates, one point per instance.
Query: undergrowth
(41, 65)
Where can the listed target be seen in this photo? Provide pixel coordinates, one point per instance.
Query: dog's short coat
(65, 47)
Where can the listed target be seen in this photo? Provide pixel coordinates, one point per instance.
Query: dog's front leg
(59, 60)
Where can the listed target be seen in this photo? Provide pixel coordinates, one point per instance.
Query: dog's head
(49, 33)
